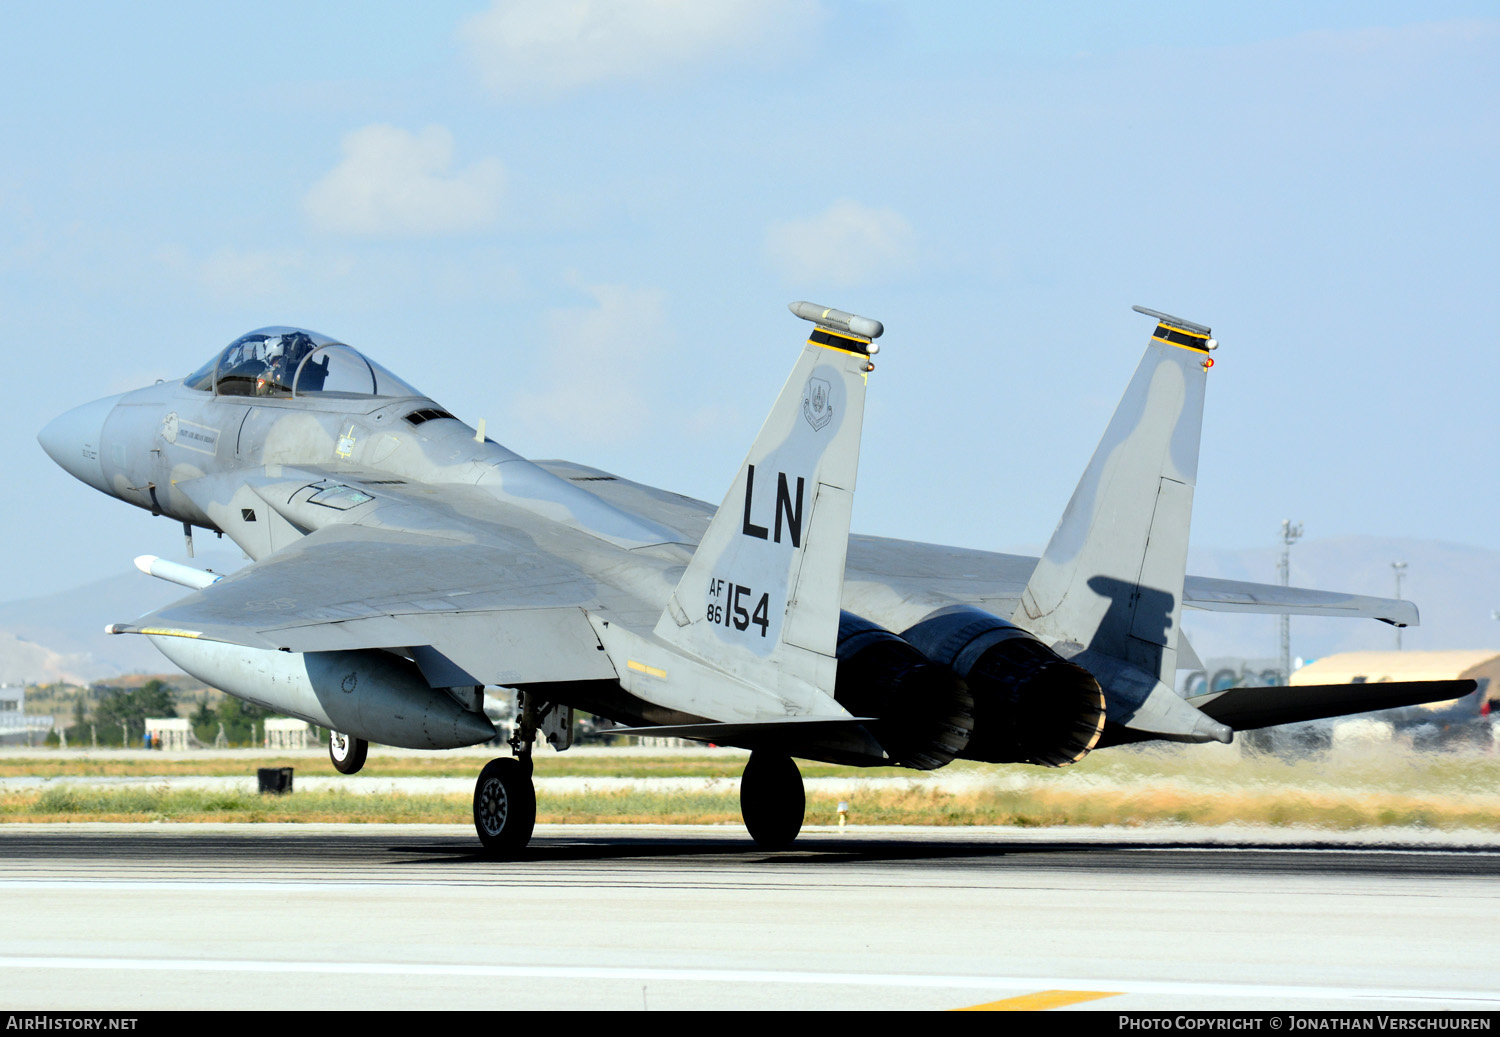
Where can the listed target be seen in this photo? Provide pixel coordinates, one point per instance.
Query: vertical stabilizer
(760, 599)
(1111, 577)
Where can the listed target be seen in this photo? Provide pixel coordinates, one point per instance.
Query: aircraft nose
(75, 441)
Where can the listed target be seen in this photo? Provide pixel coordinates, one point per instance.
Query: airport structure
(287, 733)
(16, 726)
(1222, 673)
(1479, 665)
(172, 733)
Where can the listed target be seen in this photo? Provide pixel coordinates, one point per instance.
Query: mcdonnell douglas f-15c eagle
(403, 562)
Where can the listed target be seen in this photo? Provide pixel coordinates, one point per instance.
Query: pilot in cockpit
(284, 354)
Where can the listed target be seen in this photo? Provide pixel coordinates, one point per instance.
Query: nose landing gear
(347, 752)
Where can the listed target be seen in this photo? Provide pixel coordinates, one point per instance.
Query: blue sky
(581, 220)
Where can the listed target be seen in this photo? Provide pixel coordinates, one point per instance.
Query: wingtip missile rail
(840, 321)
(1181, 332)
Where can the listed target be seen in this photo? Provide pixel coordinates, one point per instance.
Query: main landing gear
(505, 805)
(347, 752)
(504, 797)
(771, 799)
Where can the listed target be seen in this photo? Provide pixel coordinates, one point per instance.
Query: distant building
(16, 727)
(1470, 720)
(287, 733)
(1229, 672)
(1465, 721)
(171, 733)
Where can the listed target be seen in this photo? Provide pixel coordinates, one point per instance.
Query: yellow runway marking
(1040, 1002)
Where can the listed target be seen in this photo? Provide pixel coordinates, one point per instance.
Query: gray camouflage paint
(452, 551)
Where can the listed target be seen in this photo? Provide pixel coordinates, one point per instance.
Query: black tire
(772, 801)
(347, 752)
(504, 806)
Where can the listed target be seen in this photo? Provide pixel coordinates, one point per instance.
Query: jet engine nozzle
(924, 712)
(1030, 705)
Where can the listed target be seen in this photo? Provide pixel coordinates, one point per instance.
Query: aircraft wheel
(771, 799)
(504, 806)
(347, 752)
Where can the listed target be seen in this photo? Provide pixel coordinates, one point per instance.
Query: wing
(492, 606)
(987, 579)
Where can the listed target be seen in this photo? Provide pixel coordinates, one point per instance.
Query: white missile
(368, 694)
(838, 320)
(176, 572)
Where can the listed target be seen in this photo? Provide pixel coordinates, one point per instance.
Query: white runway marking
(752, 976)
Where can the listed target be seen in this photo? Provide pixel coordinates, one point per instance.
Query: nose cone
(75, 441)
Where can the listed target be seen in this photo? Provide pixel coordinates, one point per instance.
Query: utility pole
(1290, 534)
(1399, 568)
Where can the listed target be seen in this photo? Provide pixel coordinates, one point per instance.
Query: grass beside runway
(911, 805)
(103, 764)
(1382, 769)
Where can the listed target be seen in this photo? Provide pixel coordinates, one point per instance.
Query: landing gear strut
(504, 797)
(347, 752)
(771, 799)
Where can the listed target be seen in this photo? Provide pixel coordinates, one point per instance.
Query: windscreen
(285, 362)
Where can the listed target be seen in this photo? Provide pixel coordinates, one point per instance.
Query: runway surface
(676, 917)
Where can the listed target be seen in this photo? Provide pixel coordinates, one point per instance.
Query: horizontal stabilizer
(1246, 709)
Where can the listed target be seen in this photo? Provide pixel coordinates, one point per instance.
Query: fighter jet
(403, 562)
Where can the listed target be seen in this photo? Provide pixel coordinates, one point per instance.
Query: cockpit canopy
(289, 362)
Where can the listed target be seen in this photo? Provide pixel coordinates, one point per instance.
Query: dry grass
(437, 765)
(1208, 785)
(912, 805)
(1216, 768)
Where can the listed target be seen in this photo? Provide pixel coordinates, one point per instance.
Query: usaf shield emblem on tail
(816, 407)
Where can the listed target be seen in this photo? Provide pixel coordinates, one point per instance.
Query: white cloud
(238, 275)
(392, 182)
(232, 274)
(524, 46)
(600, 352)
(22, 240)
(846, 244)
